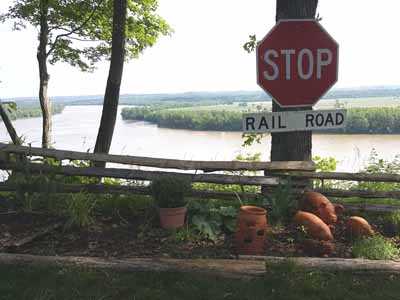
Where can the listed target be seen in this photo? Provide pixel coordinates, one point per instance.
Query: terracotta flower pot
(251, 230)
(171, 218)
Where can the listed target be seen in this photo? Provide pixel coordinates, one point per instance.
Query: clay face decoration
(319, 205)
(358, 227)
(314, 226)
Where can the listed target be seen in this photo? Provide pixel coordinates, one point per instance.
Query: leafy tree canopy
(80, 31)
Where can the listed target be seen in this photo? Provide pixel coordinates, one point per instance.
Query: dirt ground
(140, 236)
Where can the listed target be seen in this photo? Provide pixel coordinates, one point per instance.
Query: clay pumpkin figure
(319, 205)
(358, 227)
(314, 226)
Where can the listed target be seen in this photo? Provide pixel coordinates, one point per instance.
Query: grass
(393, 218)
(281, 282)
(379, 201)
(375, 247)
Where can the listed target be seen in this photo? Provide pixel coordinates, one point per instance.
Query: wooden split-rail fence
(24, 159)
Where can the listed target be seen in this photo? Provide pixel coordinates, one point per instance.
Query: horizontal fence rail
(206, 194)
(137, 174)
(341, 176)
(122, 189)
(300, 172)
(159, 162)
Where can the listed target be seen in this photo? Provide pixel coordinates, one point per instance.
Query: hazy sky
(205, 52)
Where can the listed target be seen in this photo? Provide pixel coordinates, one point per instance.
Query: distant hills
(210, 97)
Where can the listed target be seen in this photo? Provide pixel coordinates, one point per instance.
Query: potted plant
(169, 195)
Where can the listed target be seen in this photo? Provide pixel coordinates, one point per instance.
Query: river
(76, 129)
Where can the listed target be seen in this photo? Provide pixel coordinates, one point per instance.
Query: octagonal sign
(297, 62)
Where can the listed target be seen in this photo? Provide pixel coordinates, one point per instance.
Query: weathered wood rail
(159, 162)
(137, 174)
(244, 267)
(278, 172)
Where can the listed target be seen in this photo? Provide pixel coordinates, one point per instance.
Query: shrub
(281, 204)
(80, 210)
(375, 247)
(169, 192)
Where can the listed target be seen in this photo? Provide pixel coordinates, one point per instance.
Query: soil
(140, 236)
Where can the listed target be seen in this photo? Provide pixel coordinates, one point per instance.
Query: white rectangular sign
(294, 120)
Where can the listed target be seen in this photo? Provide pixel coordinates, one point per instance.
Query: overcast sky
(205, 52)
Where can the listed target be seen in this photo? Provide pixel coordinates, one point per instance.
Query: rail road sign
(286, 121)
(297, 62)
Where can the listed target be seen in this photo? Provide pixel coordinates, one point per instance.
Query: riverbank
(22, 112)
(382, 120)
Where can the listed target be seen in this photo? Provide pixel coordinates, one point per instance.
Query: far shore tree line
(382, 120)
(83, 33)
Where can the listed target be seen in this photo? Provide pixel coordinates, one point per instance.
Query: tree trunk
(288, 146)
(44, 76)
(9, 126)
(292, 145)
(111, 97)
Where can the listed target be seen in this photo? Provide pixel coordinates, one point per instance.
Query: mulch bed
(107, 237)
(137, 236)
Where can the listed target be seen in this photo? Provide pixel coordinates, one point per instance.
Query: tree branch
(83, 40)
(73, 30)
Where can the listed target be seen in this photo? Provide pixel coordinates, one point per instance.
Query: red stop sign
(297, 62)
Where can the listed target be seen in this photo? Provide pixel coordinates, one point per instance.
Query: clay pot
(171, 218)
(251, 230)
(318, 248)
(358, 227)
(314, 226)
(319, 205)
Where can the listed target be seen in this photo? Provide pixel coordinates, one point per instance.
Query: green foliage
(375, 247)
(80, 31)
(250, 46)
(234, 187)
(250, 138)
(378, 165)
(186, 119)
(281, 204)
(29, 112)
(225, 187)
(170, 191)
(211, 219)
(80, 208)
(325, 164)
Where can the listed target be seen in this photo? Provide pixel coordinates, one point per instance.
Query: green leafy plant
(375, 247)
(211, 220)
(169, 192)
(281, 204)
(80, 208)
